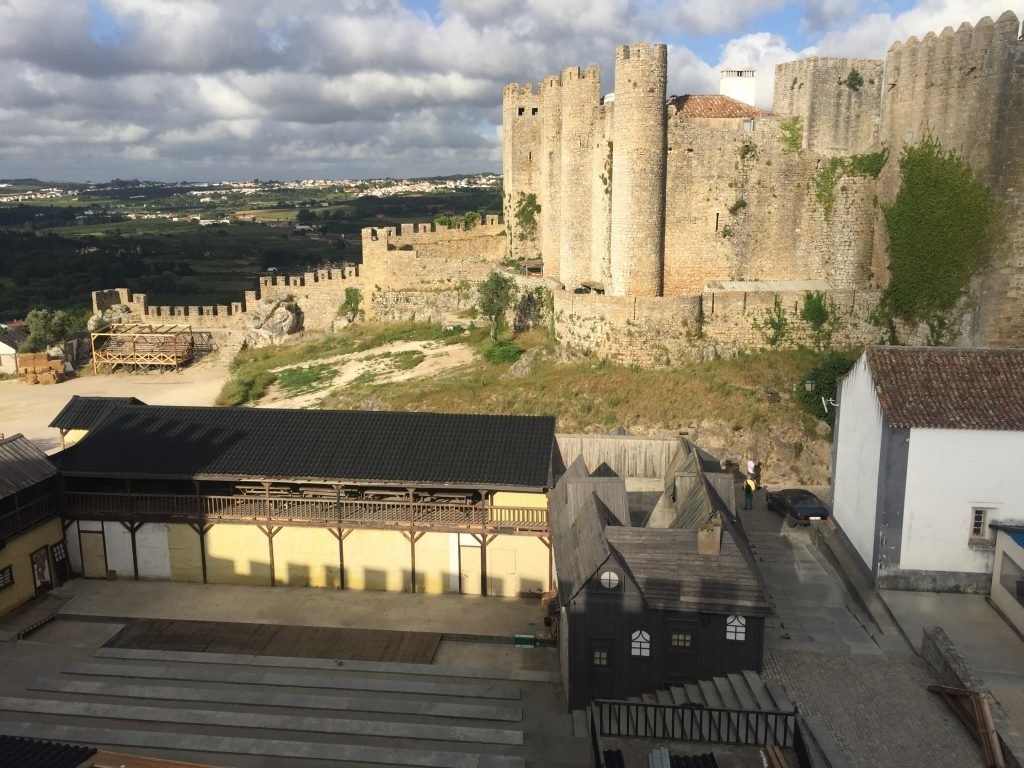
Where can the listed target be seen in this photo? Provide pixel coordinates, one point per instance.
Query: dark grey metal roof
(672, 576)
(17, 752)
(22, 465)
(85, 412)
(339, 446)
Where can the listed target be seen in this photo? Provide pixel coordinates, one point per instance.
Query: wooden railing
(345, 512)
(33, 513)
(686, 723)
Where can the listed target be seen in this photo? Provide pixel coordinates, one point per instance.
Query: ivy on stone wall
(526, 212)
(867, 165)
(944, 227)
(822, 315)
(791, 135)
(773, 324)
(853, 81)
(606, 177)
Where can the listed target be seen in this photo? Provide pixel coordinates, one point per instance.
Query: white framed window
(609, 580)
(599, 657)
(640, 644)
(736, 628)
(979, 524)
(6, 577)
(682, 640)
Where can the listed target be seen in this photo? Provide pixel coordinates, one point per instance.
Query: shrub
(791, 135)
(738, 206)
(826, 383)
(502, 352)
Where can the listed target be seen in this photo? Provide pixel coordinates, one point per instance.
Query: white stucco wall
(858, 447)
(949, 472)
(119, 549)
(153, 554)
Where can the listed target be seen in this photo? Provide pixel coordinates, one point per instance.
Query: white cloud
(762, 51)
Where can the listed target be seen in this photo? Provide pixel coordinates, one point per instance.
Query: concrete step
(743, 692)
(726, 693)
(678, 695)
(778, 694)
(759, 690)
(320, 680)
(664, 697)
(260, 697)
(290, 662)
(695, 695)
(216, 718)
(710, 692)
(649, 698)
(308, 750)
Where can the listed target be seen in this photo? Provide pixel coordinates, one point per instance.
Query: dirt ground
(27, 409)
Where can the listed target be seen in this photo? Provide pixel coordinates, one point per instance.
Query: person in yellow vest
(750, 484)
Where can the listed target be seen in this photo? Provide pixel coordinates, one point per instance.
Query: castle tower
(520, 161)
(638, 163)
(739, 84)
(601, 193)
(550, 174)
(581, 92)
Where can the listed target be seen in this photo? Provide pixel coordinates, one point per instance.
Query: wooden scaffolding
(142, 347)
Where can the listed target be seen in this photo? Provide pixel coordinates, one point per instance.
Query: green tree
(306, 217)
(496, 295)
(46, 328)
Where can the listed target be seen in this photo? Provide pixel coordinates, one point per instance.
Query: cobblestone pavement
(877, 707)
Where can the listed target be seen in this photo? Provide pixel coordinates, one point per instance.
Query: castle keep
(693, 200)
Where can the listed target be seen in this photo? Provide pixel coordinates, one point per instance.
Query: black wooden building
(643, 608)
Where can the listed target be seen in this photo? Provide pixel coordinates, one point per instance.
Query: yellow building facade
(22, 555)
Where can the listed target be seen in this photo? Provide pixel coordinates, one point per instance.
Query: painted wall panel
(74, 547)
(377, 560)
(237, 554)
(17, 554)
(516, 499)
(307, 557)
(469, 570)
(119, 550)
(949, 472)
(94, 558)
(183, 553)
(529, 563)
(1008, 580)
(858, 445)
(433, 564)
(152, 551)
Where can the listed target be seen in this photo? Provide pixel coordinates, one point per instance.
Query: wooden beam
(271, 531)
(412, 538)
(133, 528)
(202, 530)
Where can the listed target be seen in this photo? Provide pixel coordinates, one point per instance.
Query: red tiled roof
(950, 388)
(713, 106)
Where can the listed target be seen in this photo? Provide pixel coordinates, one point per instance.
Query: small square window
(736, 628)
(599, 657)
(6, 577)
(522, 110)
(979, 523)
(640, 644)
(682, 640)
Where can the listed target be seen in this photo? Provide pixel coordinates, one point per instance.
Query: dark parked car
(800, 507)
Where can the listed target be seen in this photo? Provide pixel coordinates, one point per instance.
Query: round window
(609, 579)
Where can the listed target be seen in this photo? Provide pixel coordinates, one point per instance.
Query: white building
(929, 452)
(10, 338)
(739, 84)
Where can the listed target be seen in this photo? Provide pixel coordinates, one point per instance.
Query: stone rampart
(318, 294)
(965, 88)
(521, 121)
(424, 260)
(836, 100)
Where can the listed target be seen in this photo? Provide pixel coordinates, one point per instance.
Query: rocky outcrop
(116, 313)
(272, 321)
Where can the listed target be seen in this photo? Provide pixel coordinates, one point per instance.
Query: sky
(176, 90)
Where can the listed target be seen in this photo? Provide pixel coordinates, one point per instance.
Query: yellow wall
(515, 499)
(73, 436)
(237, 554)
(377, 560)
(527, 556)
(306, 557)
(183, 550)
(433, 563)
(17, 554)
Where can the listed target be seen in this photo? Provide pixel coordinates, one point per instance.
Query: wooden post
(546, 541)
(132, 527)
(341, 534)
(484, 540)
(271, 531)
(412, 537)
(201, 530)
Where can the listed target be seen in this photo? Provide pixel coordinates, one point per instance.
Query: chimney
(709, 537)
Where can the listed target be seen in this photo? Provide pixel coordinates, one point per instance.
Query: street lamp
(809, 385)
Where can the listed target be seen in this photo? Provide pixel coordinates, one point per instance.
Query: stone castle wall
(966, 88)
(836, 119)
(581, 93)
(743, 207)
(415, 265)
(521, 156)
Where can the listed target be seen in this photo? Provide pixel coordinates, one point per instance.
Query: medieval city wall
(838, 117)
(549, 194)
(423, 272)
(965, 88)
(581, 93)
(741, 206)
(521, 131)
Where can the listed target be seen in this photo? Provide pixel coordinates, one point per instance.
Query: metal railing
(33, 513)
(687, 723)
(344, 512)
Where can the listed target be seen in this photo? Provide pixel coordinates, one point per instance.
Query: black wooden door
(600, 669)
(681, 652)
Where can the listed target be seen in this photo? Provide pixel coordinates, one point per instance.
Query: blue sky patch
(106, 30)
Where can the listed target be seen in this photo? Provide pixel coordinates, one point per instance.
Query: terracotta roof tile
(714, 106)
(949, 388)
